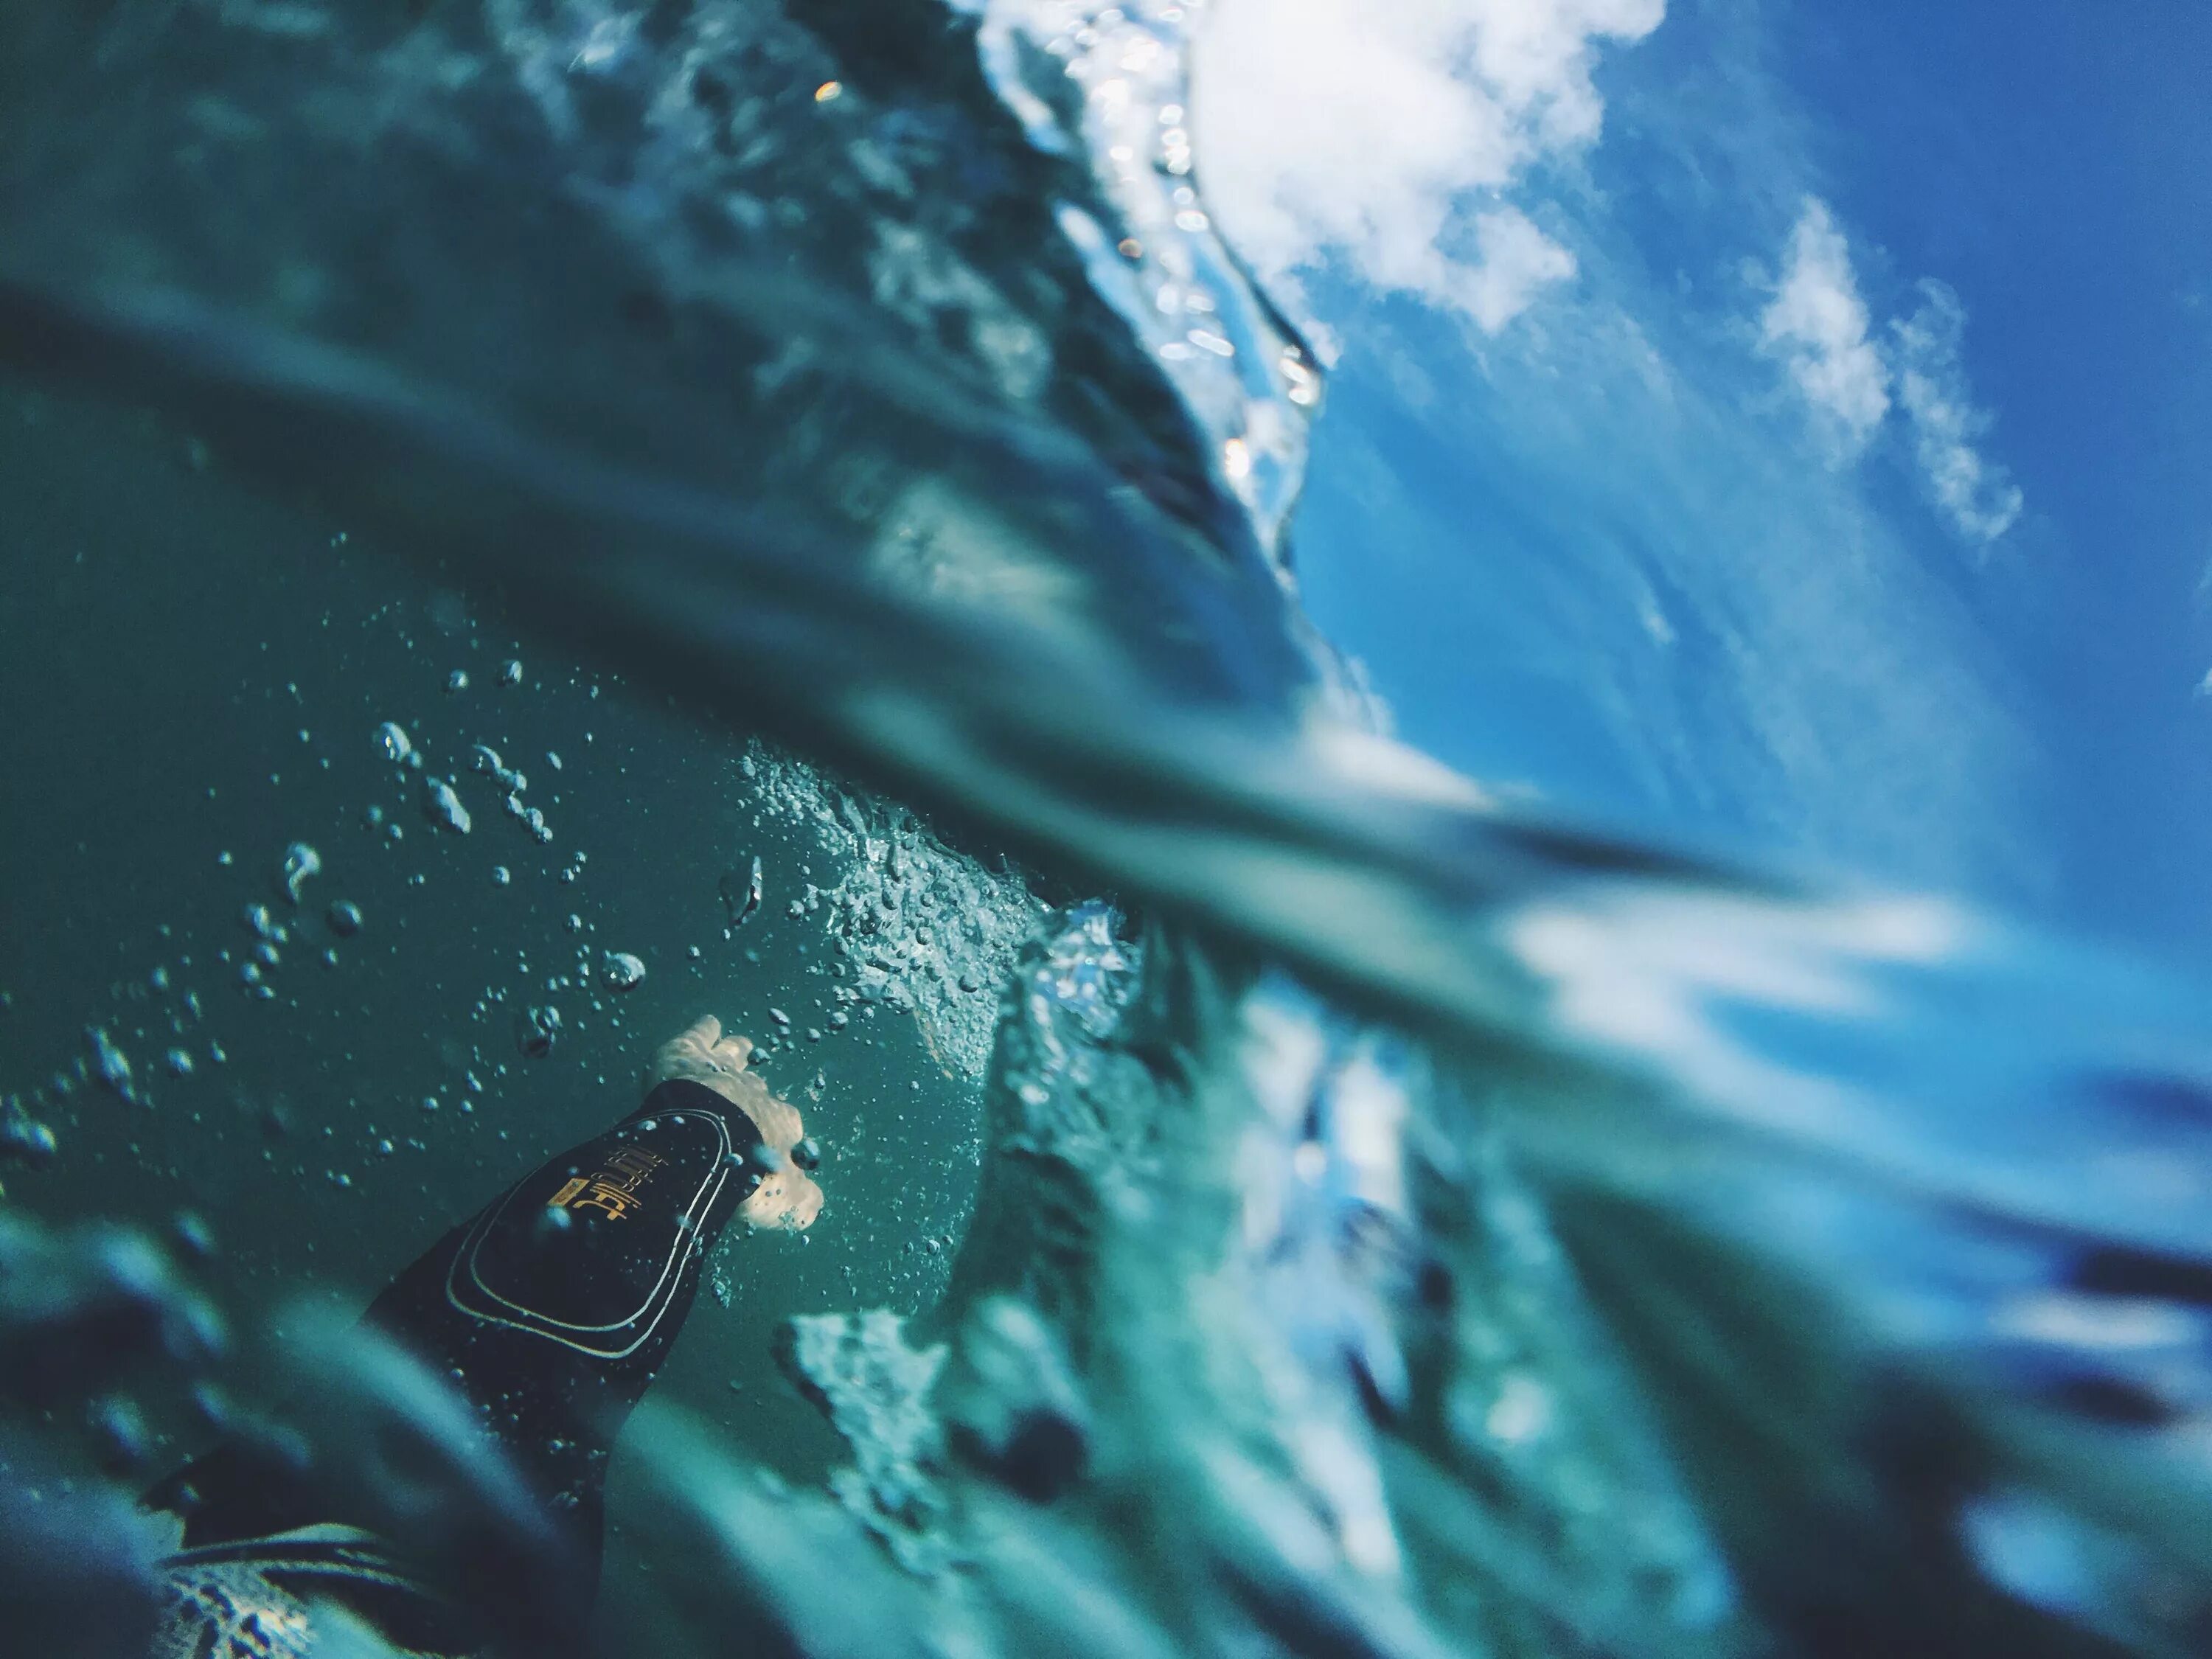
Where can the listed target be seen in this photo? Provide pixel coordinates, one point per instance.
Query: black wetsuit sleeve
(549, 1312)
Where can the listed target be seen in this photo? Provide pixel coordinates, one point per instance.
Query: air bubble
(392, 742)
(443, 807)
(109, 1062)
(25, 1140)
(741, 895)
(300, 862)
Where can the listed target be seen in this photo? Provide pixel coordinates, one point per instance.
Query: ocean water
(1279, 1198)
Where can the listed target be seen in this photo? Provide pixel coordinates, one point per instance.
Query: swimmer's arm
(787, 1197)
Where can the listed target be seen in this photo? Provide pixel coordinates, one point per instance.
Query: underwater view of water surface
(993, 827)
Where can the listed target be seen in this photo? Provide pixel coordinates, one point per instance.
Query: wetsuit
(549, 1312)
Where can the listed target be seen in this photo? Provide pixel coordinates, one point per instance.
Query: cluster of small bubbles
(536, 1030)
(922, 928)
(23, 1139)
(875, 1389)
(529, 817)
(485, 759)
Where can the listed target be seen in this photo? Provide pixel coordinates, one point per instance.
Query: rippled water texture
(785, 512)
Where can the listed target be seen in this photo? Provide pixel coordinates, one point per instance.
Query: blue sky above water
(1778, 426)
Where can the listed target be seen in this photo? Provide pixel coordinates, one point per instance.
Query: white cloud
(1345, 131)
(1818, 324)
(1719, 639)
(1517, 260)
(1977, 496)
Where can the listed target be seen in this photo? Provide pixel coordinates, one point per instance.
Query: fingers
(704, 1054)
(787, 1198)
(690, 1053)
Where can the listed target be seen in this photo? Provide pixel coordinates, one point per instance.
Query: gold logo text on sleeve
(611, 1190)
